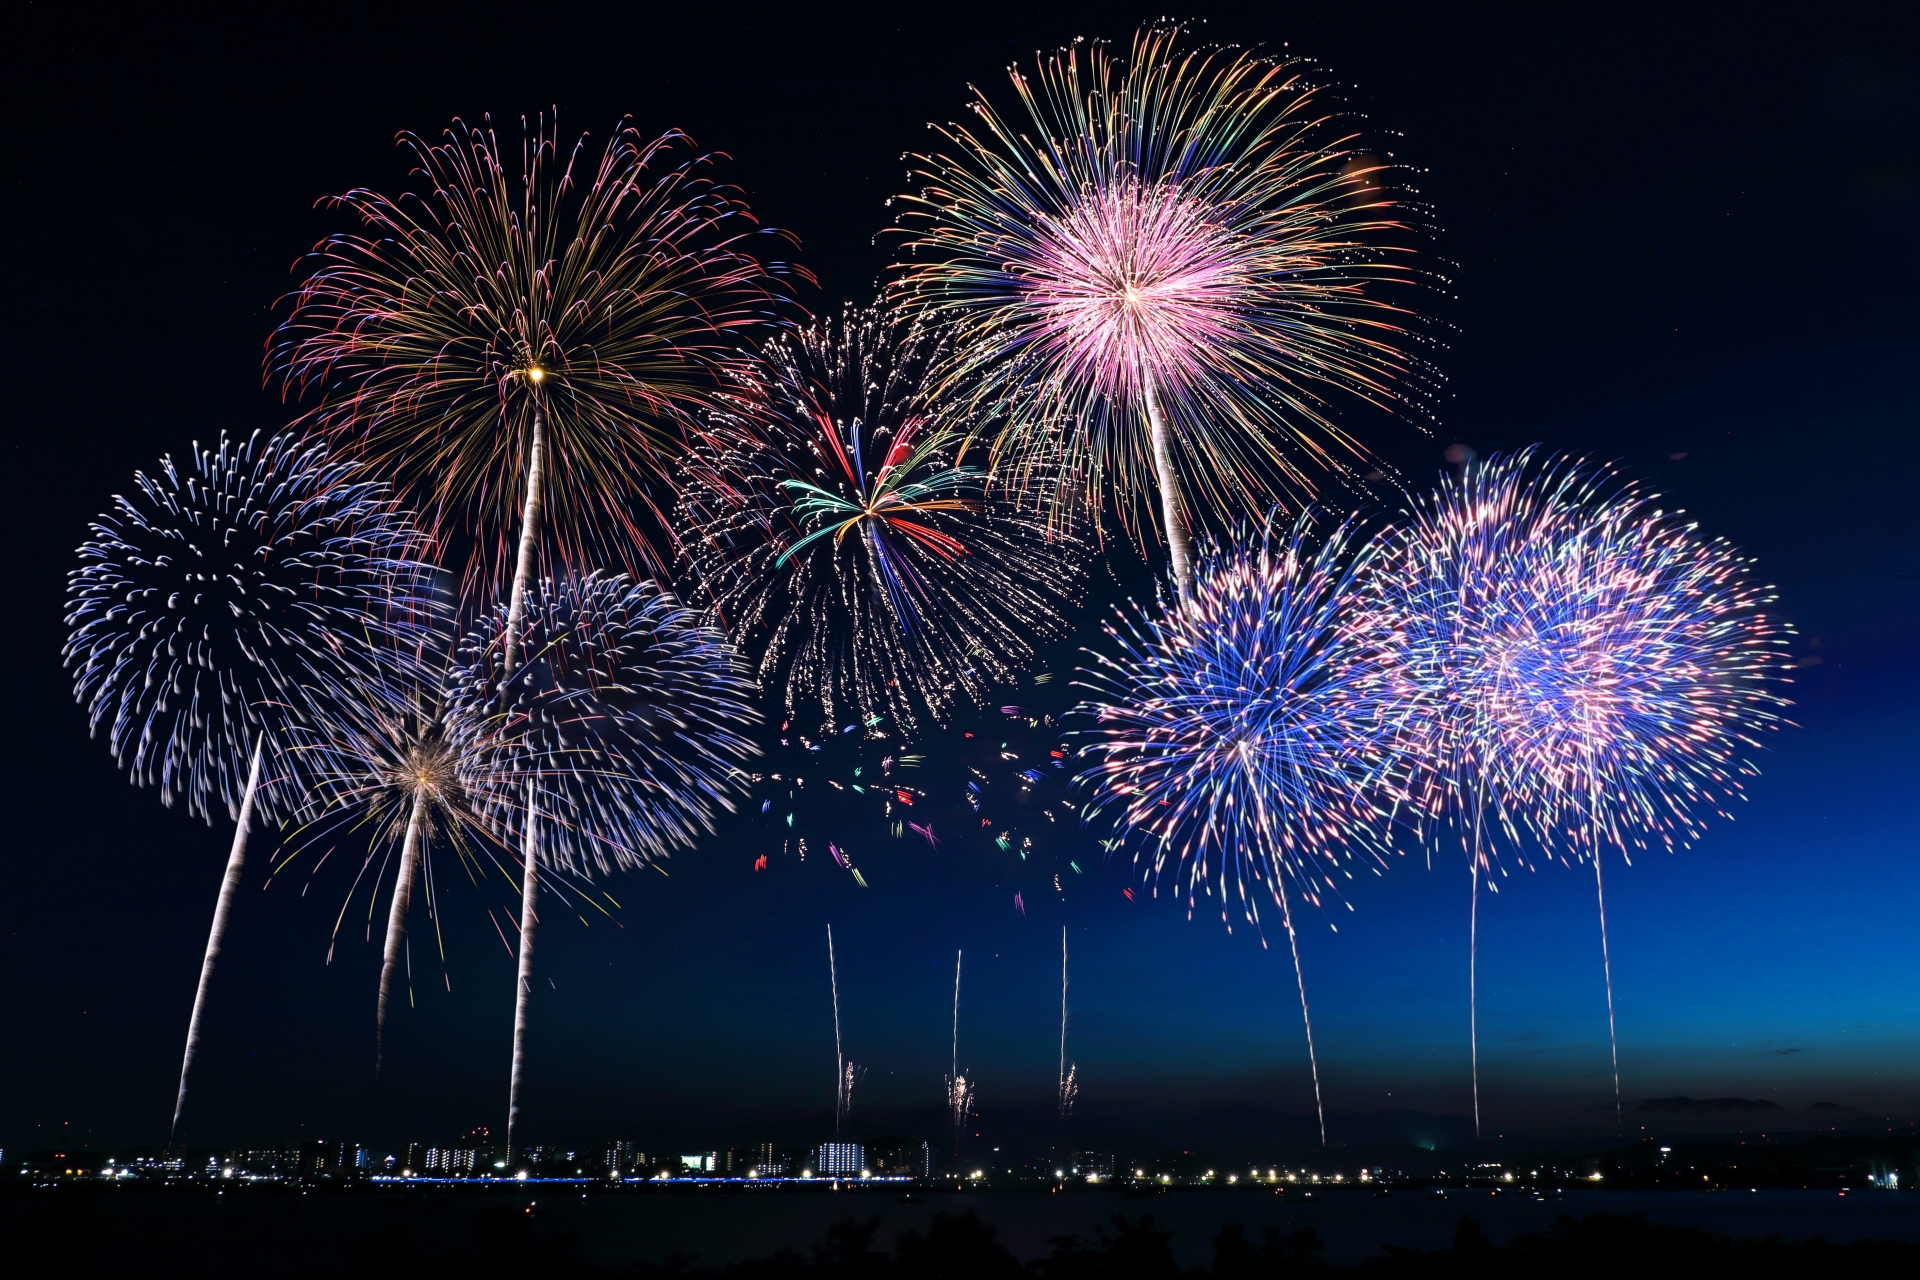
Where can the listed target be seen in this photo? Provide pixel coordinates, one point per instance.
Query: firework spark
(1580, 661)
(528, 339)
(1165, 276)
(623, 719)
(1241, 738)
(220, 606)
(832, 521)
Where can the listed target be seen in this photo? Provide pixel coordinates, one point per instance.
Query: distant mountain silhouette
(1680, 1105)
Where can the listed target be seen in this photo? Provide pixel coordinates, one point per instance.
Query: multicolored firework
(1576, 660)
(1241, 737)
(224, 604)
(1164, 276)
(833, 522)
(623, 720)
(500, 325)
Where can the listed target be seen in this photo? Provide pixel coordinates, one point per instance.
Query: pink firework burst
(1164, 279)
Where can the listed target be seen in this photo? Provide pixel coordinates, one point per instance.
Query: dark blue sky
(1669, 235)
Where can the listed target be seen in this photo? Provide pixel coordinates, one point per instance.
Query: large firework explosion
(1241, 740)
(1575, 659)
(221, 606)
(833, 522)
(1164, 276)
(623, 721)
(527, 340)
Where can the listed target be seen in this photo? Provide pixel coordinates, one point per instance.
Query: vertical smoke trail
(1065, 1089)
(1306, 1019)
(959, 1091)
(956, 1016)
(839, 1058)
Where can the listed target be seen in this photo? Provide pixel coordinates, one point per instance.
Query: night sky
(1670, 236)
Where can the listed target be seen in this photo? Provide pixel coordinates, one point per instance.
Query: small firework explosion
(832, 521)
(1165, 275)
(412, 771)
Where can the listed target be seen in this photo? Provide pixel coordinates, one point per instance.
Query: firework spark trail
(495, 329)
(1577, 661)
(840, 1082)
(622, 717)
(960, 1090)
(1242, 737)
(412, 767)
(1163, 278)
(222, 604)
(830, 517)
(523, 973)
(956, 1011)
(1068, 1087)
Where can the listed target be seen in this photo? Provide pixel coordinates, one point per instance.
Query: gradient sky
(1666, 235)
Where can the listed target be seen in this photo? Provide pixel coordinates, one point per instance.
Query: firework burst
(1241, 740)
(623, 722)
(1165, 276)
(412, 770)
(833, 522)
(528, 339)
(1578, 661)
(225, 603)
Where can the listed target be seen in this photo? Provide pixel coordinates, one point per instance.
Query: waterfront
(162, 1233)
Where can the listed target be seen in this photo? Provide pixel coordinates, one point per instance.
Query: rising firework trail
(1241, 738)
(831, 517)
(1162, 269)
(1592, 663)
(624, 718)
(842, 1085)
(960, 1090)
(529, 338)
(1068, 1087)
(220, 607)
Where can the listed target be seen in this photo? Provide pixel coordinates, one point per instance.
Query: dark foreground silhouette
(508, 1242)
